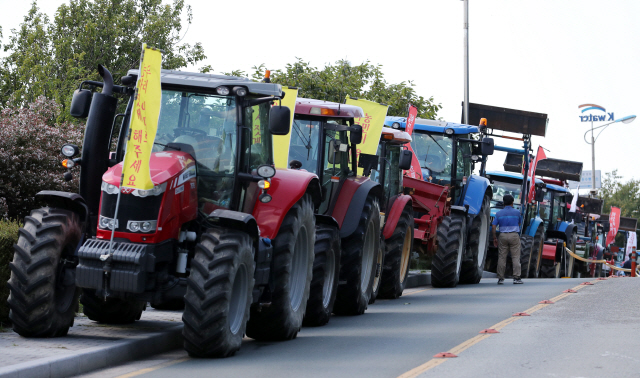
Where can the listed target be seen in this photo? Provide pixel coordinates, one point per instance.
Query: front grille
(131, 208)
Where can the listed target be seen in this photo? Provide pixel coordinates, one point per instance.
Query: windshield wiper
(434, 139)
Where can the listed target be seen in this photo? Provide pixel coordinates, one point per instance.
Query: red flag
(614, 224)
(415, 171)
(411, 119)
(532, 173)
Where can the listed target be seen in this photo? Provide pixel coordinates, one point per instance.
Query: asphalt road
(395, 336)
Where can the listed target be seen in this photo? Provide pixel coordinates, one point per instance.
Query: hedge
(8, 237)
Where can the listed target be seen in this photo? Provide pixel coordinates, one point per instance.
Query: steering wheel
(189, 131)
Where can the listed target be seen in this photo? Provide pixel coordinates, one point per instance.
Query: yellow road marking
(466, 344)
(419, 291)
(422, 368)
(148, 370)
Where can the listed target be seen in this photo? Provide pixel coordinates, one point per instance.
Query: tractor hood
(164, 166)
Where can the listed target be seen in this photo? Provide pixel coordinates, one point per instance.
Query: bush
(30, 142)
(8, 237)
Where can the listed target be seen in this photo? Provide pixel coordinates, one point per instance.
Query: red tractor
(348, 255)
(222, 229)
(397, 217)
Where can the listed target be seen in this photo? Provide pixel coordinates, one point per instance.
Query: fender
(394, 214)
(475, 190)
(287, 187)
(569, 231)
(70, 201)
(553, 234)
(533, 226)
(327, 220)
(563, 227)
(351, 201)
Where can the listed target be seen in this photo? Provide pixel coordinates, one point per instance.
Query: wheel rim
(460, 251)
(329, 278)
(368, 255)
(406, 254)
(238, 302)
(299, 263)
(482, 240)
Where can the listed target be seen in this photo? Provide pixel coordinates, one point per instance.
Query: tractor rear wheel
(377, 278)
(549, 270)
(358, 262)
(43, 296)
(526, 244)
(326, 269)
(446, 264)
(397, 257)
(291, 273)
(535, 261)
(471, 271)
(111, 310)
(219, 293)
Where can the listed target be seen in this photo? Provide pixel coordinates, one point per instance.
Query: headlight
(146, 226)
(240, 91)
(142, 226)
(448, 131)
(474, 157)
(158, 189)
(107, 223)
(264, 184)
(109, 188)
(222, 91)
(266, 171)
(69, 150)
(395, 125)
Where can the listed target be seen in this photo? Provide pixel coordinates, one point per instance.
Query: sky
(545, 56)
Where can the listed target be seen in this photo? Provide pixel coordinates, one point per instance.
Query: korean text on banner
(632, 241)
(372, 122)
(415, 171)
(144, 122)
(614, 224)
(281, 142)
(532, 170)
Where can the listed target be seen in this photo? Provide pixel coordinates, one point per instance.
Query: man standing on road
(509, 220)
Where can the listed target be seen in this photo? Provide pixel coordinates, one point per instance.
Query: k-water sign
(597, 117)
(585, 180)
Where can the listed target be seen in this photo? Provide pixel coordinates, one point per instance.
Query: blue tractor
(448, 153)
(532, 235)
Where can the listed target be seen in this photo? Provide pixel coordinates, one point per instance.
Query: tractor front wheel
(358, 265)
(291, 275)
(326, 269)
(526, 244)
(446, 264)
(472, 269)
(535, 260)
(218, 294)
(377, 278)
(398, 255)
(43, 296)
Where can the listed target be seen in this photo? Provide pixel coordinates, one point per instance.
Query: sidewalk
(89, 346)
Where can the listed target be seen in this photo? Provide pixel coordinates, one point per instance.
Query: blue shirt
(508, 219)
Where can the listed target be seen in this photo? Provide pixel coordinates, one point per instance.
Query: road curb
(95, 358)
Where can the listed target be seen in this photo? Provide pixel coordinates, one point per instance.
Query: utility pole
(593, 162)
(466, 62)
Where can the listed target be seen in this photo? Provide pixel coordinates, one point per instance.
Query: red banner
(614, 224)
(532, 170)
(411, 119)
(415, 171)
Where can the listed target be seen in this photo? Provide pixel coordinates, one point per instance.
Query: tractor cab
(323, 141)
(393, 159)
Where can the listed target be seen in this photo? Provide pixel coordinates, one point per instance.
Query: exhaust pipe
(95, 147)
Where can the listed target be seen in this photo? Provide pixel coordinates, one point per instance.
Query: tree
(335, 81)
(50, 58)
(625, 195)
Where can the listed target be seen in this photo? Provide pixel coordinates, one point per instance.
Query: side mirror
(486, 146)
(355, 135)
(540, 192)
(279, 120)
(81, 103)
(406, 157)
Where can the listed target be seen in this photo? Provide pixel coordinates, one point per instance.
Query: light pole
(466, 62)
(627, 119)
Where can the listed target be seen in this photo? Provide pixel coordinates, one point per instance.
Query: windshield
(304, 143)
(206, 127)
(435, 154)
(501, 189)
(392, 173)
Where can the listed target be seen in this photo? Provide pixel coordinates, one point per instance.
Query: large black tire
(570, 260)
(548, 270)
(43, 296)
(111, 310)
(471, 270)
(377, 278)
(536, 253)
(447, 262)
(219, 293)
(397, 257)
(358, 263)
(526, 244)
(326, 270)
(291, 271)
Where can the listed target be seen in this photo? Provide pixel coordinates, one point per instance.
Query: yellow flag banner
(144, 122)
(281, 142)
(372, 122)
